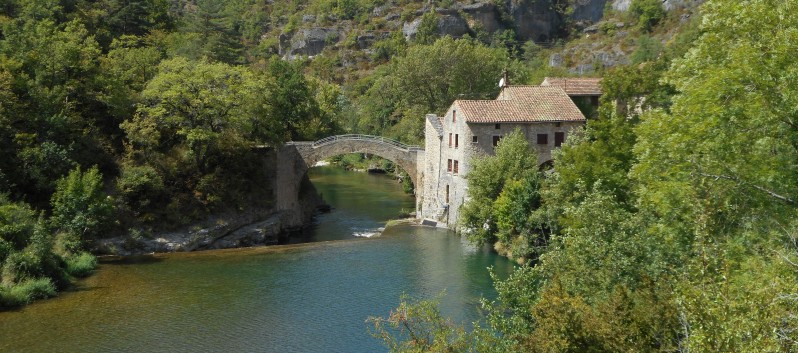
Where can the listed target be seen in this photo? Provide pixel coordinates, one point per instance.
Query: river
(307, 297)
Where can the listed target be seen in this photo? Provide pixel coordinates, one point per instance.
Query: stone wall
(428, 204)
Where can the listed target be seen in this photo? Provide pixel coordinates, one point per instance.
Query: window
(450, 139)
(449, 165)
(498, 126)
(558, 124)
(496, 140)
(559, 138)
(447, 193)
(456, 170)
(474, 139)
(454, 116)
(543, 139)
(456, 140)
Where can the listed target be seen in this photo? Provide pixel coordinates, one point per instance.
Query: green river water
(313, 296)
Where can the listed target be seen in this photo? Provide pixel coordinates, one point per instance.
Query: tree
(190, 142)
(426, 80)
(191, 104)
(292, 102)
(211, 32)
(126, 68)
(502, 196)
(80, 206)
(420, 327)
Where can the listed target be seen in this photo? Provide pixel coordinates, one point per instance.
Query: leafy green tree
(80, 206)
(126, 68)
(426, 80)
(291, 102)
(435, 75)
(427, 32)
(211, 32)
(17, 221)
(502, 195)
(647, 49)
(718, 170)
(187, 142)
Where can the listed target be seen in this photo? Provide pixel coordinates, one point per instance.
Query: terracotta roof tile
(522, 104)
(575, 86)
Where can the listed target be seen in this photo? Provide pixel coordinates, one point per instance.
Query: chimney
(505, 80)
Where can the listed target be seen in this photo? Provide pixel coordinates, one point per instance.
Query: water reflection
(296, 298)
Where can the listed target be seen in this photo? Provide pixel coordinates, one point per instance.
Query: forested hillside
(668, 225)
(120, 117)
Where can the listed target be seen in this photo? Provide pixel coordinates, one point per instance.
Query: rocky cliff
(536, 20)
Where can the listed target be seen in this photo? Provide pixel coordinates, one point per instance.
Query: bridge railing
(355, 137)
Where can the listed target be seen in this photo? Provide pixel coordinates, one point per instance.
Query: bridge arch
(402, 155)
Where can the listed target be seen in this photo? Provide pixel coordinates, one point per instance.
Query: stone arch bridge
(405, 156)
(295, 158)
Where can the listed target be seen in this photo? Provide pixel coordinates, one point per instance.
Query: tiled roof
(575, 86)
(522, 104)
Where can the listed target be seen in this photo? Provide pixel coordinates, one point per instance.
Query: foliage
(427, 32)
(673, 214)
(426, 80)
(26, 292)
(81, 265)
(502, 195)
(420, 327)
(647, 13)
(80, 206)
(291, 102)
(647, 49)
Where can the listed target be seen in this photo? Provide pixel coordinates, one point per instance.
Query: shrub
(647, 49)
(20, 266)
(140, 186)
(81, 265)
(26, 292)
(648, 13)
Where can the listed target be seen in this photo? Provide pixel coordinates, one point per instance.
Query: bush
(648, 13)
(81, 265)
(140, 185)
(79, 204)
(648, 49)
(26, 292)
(20, 266)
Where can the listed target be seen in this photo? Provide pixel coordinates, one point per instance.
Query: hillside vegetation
(124, 117)
(668, 225)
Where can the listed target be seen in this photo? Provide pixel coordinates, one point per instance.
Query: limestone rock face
(365, 40)
(535, 20)
(485, 15)
(588, 10)
(621, 5)
(450, 23)
(409, 29)
(307, 41)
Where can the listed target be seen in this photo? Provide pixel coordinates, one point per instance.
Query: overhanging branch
(744, 183)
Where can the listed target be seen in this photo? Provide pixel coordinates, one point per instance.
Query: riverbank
(217, 232)
(265, 227)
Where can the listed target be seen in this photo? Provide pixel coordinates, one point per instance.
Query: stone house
(545, 114)
(585, 92)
